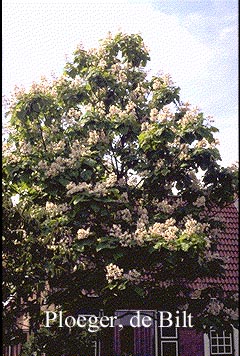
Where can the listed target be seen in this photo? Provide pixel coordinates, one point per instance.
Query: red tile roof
(228, 249)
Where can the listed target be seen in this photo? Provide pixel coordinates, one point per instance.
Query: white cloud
(229, 142)
(228, 31)
(36, 38)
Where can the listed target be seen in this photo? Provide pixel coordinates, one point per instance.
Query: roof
(228, 249)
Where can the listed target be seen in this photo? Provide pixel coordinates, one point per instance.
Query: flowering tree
(102, 206)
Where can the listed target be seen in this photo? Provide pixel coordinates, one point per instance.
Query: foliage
(101, 202)
(46, 341)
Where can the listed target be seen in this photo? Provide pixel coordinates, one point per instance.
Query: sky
(196, 41)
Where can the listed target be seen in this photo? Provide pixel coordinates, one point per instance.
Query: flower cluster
(124, 197)
(141, 232)
(125, 237)
(100, 107)
(71, 117)
(123, 114)
(9, 153)
(165, 114)
(168, 230)
(25, 148)
(194, 227)
(42, 87)
(215, 307)
(154, 114)
(54, 168)
(57, 147)
(94, 137)
(205, 144)
(164, 206)
(113, 272)
(75, 188)
(191, 117)
(56, 209)
(61, 163)
(119, 72)
(184, 152)
(83, 233)
(200, 201)
(164, 80)
(59, 246)
(234, 167)
(133, 276)
(167, 206)
(114, 110)
(145, 126)
(124, 215)
(78, 150)
(130, 107)
(76, 82)
(84, 263)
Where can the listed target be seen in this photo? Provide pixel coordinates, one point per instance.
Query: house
(183, 341)
(155, 340)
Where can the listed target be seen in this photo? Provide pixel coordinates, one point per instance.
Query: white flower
(114, 110)
(113, 272)
(125, 238)
(145, 126)
(130, 106)
(133, 276)
(74, 188)
(165, 114)
(190, 117)
(194, 227)
(200, 201)
(111, 180)
(153, 114)
(83, 234)
(93, 137)
(124, 214)
(15, 199)
(54, 209)
(215, 307)
(166, 230)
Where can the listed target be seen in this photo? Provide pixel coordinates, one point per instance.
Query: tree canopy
(108, 180)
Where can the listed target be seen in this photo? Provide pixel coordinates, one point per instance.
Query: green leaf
(80, 198)
(165, 171)
(139, 291)
(214, 129)
(105, 245)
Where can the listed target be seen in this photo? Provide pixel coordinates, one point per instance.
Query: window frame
(217, 345)
(169, 342)
(167, 339)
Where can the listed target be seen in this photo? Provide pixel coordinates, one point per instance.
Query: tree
(101, 201)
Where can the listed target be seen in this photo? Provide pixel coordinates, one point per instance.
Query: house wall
(190, 342)
(236, 341)
(206, 345)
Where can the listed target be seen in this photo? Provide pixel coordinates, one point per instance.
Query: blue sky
(196, 41)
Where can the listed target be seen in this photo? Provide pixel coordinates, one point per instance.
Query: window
(169, 348)
(127, 340)
(132, 338)
(221, 343)
(168, 341)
